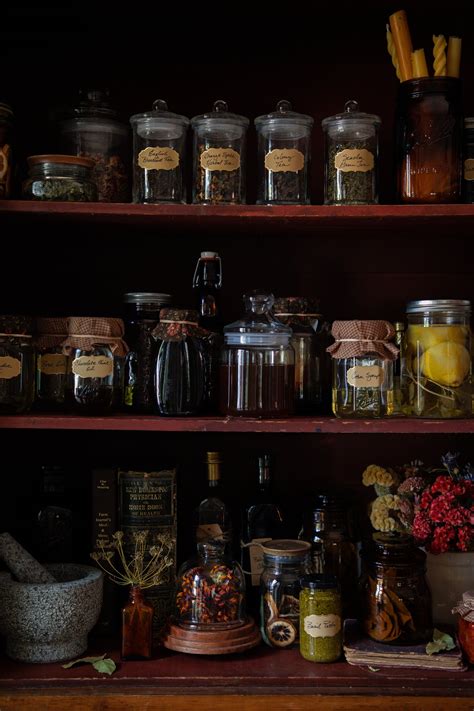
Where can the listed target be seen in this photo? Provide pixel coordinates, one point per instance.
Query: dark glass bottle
(262, 522)
(207, 283)
(53, 529)
(137, 618)
(212, 518)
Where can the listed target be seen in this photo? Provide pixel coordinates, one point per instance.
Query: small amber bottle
(137, 618)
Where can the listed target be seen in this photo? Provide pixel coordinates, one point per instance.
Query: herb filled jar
(436, 362)
(284, 563)
(219, 156)
(51, 363)
(351, 154)
(60, 177)
(17, 364)
(468, 168)
(92, 129)
(362, 368)
(96, 350)
(284, 156)
(320, 618)
(159, 142)
(6, 156)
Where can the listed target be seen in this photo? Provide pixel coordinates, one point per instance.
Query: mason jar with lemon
(436, 360)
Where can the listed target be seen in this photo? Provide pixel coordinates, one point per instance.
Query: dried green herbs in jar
(320, 618)
(60, 177)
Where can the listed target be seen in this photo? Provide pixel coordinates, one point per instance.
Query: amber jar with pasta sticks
(429, 127)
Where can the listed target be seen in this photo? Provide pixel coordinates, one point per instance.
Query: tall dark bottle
(262, 522)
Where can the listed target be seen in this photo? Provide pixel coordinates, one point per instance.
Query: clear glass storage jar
(93, 130)
(219, 156)
(436, 362)
(351, 155)
(257, 371)
(51, 363)
(284, 156)
(320, 618)
(429, 140)
(468, 168)
(159, 143)
(284, 563)
(60, 177)
(6, 155)
(17, 364)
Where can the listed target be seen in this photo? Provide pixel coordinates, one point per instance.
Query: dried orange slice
(281, 633)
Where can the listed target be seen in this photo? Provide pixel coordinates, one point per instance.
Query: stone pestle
(21, 564)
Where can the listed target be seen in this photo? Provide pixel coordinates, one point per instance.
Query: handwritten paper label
(157, 158)
(220, 159)
(93, 366)
(209, 532)
(256, 559)
(353, 160)
(322, 625)
(365, 376)
(9, 367)
(469, 169)
(52, 364)
(284, 161)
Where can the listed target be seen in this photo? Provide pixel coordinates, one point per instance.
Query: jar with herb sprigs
(351, 157)
(320, 618)
(17, 364)
(51, 363)
(60, 177)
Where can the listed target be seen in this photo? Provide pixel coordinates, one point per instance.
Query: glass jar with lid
(468, 172)
(6, 156)
(159, 143)
(465, 626)
(60, 177)
(284, 563)
(257, 371)
(51, 363)
(436, 362)
(320, 618)
(284, 156)
(17, 364)
(219, 156)
(396, 599)
(93, 130)
(351, 154)
(141, 318)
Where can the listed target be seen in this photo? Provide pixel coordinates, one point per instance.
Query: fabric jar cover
(16, 325)
(178, 324)
(50, 331)
(86, 332)
(465, 607)
(297, 311)
(356, 339)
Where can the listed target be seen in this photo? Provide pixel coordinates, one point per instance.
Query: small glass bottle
(429, 140)
(436, 363)
(219, 149)
(320, 618)
(6, 155)
(284, 563)
(468, 171)
(284, 156)
(211, 518)
(137, 618)
(51, 363)
(362, 368)
(159, 140)
(60, 177)
(17, 364)
(351, 157)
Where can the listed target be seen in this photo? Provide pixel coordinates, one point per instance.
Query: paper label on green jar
(354, 160)
(469, 169)
(9, 367)
(93, 366)
(365, 376)
(220, 159)
(322, 625)
(284, 160)
(158, 158)
(52, 364)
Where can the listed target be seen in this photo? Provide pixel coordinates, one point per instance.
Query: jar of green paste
(320, 618)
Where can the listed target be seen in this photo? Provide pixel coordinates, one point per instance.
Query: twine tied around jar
(356, 339)
(86, 332)
(465, 607)
(178, 324)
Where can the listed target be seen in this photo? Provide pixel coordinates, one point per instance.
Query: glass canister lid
(159, 122)
(284, 119)
(258, 327)
(437, 305)
(351, 120)
(146, 297)
(286, 548)
(220, 117)
(94, 103)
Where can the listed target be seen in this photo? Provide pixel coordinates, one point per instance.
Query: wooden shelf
(294, 425)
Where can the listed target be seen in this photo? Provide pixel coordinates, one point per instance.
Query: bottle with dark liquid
(207, 283)
(212, 519)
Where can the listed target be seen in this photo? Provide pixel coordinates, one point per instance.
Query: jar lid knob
(259, 302)
(351, 106)
(220, 105)
(283, 105)
(160, 105)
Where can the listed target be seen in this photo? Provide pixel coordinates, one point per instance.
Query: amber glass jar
(429, 132)
(396, 600)
(137, 618)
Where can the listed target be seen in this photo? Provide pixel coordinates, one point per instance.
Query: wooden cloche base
(237, 639)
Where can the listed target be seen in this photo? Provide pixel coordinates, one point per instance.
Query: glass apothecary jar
(60, 177)
(284, 156)
(308, 341)
(257, 371)
(362, 368)
(468, 169)
(320, 618)
(96, 350)
(142, 315)
(6, 155)
(429, 129)
(284, 563)
(210, 590)
(51, 363)
(396, 600)
(436, 362)
(219, 156)
(17, 364)
(159, 142)
(351, 155)
(93, 130)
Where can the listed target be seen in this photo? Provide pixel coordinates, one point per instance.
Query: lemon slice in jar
(428, 336)
(446, 363)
